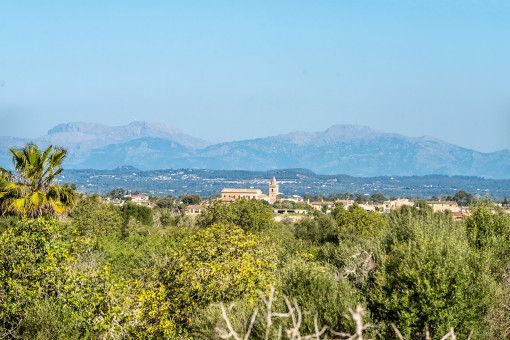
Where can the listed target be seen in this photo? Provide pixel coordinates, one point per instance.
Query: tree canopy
(31, 190)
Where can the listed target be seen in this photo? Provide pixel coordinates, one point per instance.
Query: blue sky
(230, 70)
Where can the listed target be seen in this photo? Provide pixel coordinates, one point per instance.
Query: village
(295, 207)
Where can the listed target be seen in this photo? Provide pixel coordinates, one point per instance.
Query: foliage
(166, 202)
(38, 272)
(190, 199)
(378, 198)
(356, 221)
(219, 263)
(321, 291)
(92, 217)
(29, 265)
(360, 199)
(463, 198)
(429, 276)
(140, 213)
(422, 205)
(116, 193)
(31, 191)
(485, 225)
(251, 215)
(286, 204)
(319, 229)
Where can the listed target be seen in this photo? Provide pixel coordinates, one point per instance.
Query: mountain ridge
(355, 150)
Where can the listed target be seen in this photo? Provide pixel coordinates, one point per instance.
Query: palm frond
(31, 190)
(37, 199)
(59, 207)
(19, 205)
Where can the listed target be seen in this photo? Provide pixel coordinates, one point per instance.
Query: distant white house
(139, 199)
(195, 209)
(444, 205)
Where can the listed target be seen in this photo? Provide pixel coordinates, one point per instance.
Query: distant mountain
(143, 153)
(87, 141)
(359, 151)
(342, 149)
(101, 135)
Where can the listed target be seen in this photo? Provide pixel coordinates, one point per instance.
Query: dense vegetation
(101, 271)
(110, 272)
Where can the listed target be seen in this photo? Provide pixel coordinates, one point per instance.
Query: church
(230, 195)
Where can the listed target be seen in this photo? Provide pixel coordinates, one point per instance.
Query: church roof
(251, 191)
(273, 181)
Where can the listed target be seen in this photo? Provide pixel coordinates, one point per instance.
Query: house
(346, 203)
(294, 198)
(396, 204)
(444, 205)
(457, 216)
(195, 209)
(139, 199)
(370, 207)
(319, 205)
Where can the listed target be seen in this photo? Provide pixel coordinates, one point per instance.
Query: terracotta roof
(195, 207)
(442, 202)
(321, 203)
(251, 191)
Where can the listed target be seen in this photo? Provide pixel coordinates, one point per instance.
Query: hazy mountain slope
(97, 135)
(142, 153)
(6, 143)
(342, 149)
(359, 151)
(84, 140)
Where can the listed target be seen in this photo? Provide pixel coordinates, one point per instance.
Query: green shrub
(251, 215)
(317, 290)
(39, 271)
(320, 290)
(91, 217)
(318, 230)
(356, 221)
(219, 263)
(32, 256)
(430, 277)
(139, 213)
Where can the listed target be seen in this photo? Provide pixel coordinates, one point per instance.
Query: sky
(232, 70)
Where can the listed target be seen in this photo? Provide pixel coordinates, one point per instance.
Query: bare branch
(252, 322)
(397, 331)
(224, 334)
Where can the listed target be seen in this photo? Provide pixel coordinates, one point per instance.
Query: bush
(251, 215)
(320, 290)
(431, 277)
(91, 217)
(319, 229)
(219, 263)
(316, 290)
(356, 222)
(39, 273)
(139, 213)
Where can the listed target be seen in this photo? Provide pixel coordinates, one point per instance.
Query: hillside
(342, 149)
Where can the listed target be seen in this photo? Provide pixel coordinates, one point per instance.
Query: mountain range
(342, 149)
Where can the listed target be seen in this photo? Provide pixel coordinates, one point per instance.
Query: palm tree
(31, 191)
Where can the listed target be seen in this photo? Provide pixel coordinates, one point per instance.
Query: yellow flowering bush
(219, 263)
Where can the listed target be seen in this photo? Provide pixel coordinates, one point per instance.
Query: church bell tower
(273, 191)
